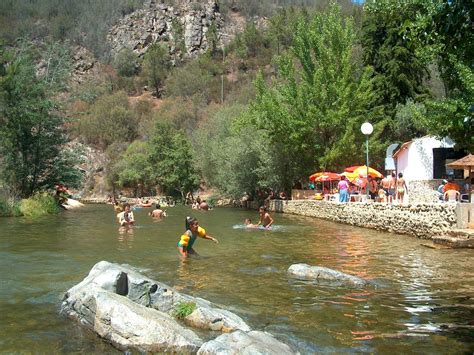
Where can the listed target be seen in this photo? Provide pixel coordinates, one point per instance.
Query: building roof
(463, 163)
(403, 147)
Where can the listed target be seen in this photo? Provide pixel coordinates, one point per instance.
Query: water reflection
(125, 238)
(414, 291)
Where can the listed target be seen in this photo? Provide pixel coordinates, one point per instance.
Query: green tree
(134, 168)
(399, 72)
(172, 160)
(32, 136)
(126, 62)
(156, 66)
(110, 120)
(312, 112)
(442, 32)
(233, 161)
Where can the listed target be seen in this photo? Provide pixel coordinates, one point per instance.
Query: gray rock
(307, 272)
(133, 311)
(254, 342)
(125, 324)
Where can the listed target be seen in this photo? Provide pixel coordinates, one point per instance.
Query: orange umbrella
(315, 175)
(362, 170)
(328, 176)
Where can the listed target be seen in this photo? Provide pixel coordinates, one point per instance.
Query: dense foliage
(280, 101)
(32, 135)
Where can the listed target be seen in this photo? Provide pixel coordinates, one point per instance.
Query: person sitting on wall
(452, 196)
(441, 189)
(451, 185)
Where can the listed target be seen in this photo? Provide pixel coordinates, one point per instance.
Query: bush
(39, 205)
(184, 309)
(9, 208)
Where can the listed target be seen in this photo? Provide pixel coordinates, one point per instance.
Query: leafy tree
(172, 160)
(32, 136)
(134, 169)
(232, 161)
(188, 81)
(110, 120)
(312, 112)
(156, 66)
(126, 62)
(442, 32)
(399, 72)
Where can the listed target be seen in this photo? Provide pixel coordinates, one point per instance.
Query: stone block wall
(421, 220)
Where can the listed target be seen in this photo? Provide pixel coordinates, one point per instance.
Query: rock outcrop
(254, 342)
(132, 311)
(307, 272)
(187, 21)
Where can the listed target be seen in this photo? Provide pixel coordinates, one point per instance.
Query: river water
(420, 300)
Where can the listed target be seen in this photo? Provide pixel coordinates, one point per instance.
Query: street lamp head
(366, 128)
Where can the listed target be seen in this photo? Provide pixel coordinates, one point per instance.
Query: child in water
(248, 223)
(193, 230)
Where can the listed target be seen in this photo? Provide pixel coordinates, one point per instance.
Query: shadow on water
(418, 299)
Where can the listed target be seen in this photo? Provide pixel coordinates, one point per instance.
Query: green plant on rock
(184, 309)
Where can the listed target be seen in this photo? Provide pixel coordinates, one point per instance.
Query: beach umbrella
(357, 179)
(362, 170)
(315, 175)
(328, 176)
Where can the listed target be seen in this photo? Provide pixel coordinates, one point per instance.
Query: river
(420, 300)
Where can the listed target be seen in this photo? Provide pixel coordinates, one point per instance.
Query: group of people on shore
(389, 189)
(450, 191)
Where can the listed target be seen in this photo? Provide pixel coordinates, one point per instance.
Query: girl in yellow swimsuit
(193, 230)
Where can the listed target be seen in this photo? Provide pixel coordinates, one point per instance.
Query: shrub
(39, 205)
(184, 309)
(9, 208)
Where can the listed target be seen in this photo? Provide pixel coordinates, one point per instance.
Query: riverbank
(437, 222)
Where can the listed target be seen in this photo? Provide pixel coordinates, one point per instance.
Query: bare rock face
(158, 22)
(134, 312)
(307, 272)
(254, 342)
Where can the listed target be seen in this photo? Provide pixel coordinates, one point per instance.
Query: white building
(426, 158)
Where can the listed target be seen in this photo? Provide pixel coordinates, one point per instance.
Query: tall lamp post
(367, 130)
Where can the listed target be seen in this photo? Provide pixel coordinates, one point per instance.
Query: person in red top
(451, 185)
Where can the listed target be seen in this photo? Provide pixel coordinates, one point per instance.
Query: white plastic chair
(452, 196)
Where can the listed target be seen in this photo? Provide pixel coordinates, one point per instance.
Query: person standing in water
(265, 219)
(157, 212)
(193, 230)
(126, 217)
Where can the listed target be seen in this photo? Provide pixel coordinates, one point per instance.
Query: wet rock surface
(254, 342)
(132, 311)
(308, 272)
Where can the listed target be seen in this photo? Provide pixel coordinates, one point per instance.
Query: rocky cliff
(182, 27)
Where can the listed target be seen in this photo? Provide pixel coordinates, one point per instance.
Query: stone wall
(421, 220)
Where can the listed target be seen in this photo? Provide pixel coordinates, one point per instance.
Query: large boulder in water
(133, 311)
(308, 272)
(254, 342)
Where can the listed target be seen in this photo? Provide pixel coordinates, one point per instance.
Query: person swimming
(193, 230)
(248, 223)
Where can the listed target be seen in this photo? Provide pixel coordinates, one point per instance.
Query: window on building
(441, 158)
